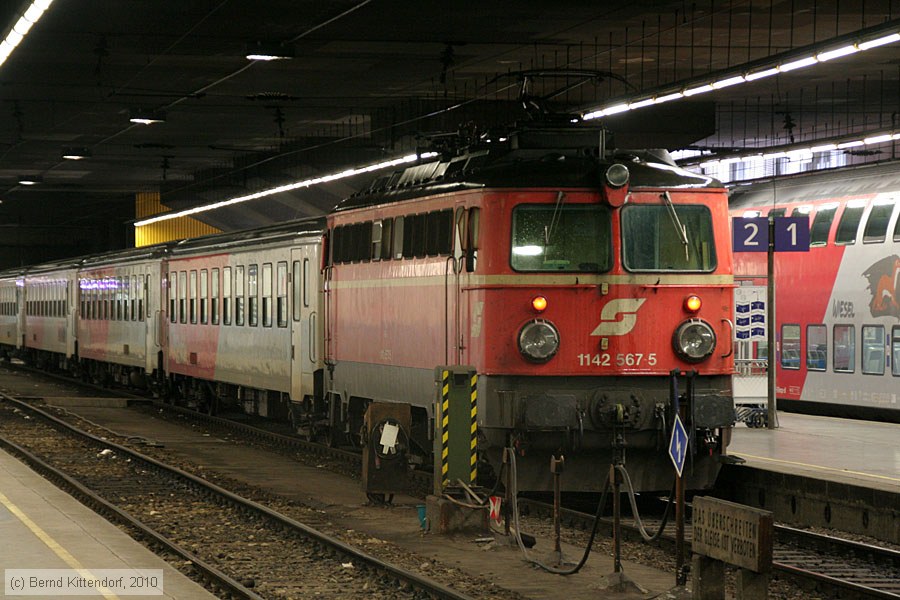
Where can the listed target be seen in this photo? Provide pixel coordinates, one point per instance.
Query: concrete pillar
(752, 586)
(708, 578)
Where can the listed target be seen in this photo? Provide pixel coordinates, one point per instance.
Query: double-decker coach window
(844, 348)
(651, 240)
(547, 237)
(816, 347)
(895, 350)
(877, 223)
(846, 231)
(790, 346)
(821, 227)
(873, 349)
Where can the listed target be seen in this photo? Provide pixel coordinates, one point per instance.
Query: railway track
(237, 546)
(351, 461)
(838, 567)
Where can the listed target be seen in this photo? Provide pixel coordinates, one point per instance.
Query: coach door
(305, 321)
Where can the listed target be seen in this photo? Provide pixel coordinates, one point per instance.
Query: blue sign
(678, 445)
(792, 234)
(750, 234)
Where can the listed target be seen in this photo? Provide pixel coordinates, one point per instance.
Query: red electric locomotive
(585, 287)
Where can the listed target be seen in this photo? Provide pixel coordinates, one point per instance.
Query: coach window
(143, 284)
(801, 211)
(106, 294)
(816, 347)
(131, 304)
(297, 284)
(849, 224)
(281, 295)
(121, 295)
(204, 296)
(173, 296)
(226, 296)
(239, 295)
(182, 296)
(895, 350)
(873, 349)
(790, 346)
(844, 348)
(877, 222)
(821, 226)
(214, 295)
(267, 295)
(192, 297)
(253, 295)
(777, 212)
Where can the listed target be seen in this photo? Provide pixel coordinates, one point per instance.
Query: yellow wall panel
(147, 204)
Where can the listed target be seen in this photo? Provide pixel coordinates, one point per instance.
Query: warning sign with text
(733, 533)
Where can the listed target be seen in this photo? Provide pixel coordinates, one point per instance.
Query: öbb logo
(618, 317)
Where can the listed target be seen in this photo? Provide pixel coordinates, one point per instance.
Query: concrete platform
(44, 528)
(837, 473)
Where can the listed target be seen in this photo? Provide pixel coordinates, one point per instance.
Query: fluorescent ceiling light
(76, 153)
(888, 39)
(22, 26)
(761, 74)
(798, 64)
(146, 117)
(728, 82)
(409, 158)
(666, 98)
(699, 90)
(725, 79)
(30, 179)
(846, 50)
(641, 103)
(266, 51)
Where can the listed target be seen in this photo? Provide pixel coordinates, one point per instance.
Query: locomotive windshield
(651, 241)
(561, 238)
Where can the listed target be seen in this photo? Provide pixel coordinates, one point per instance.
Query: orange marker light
(539, 303)
(692, 303)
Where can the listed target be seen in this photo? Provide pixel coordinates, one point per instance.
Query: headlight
(694, 340)
(538, 340)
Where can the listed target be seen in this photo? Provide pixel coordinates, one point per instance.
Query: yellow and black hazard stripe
(473, 398)
(445, 429)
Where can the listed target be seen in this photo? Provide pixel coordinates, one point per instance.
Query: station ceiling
(374, 79)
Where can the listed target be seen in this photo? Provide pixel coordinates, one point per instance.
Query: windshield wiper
(554, 220)
(681, 229)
